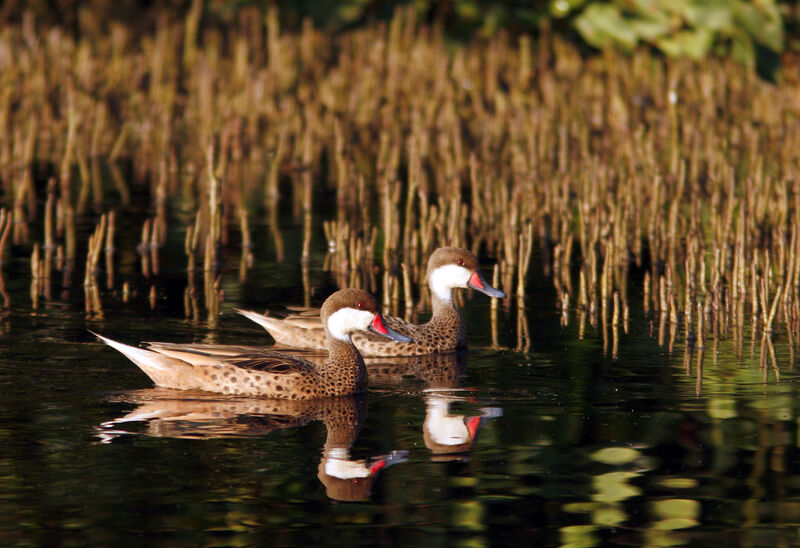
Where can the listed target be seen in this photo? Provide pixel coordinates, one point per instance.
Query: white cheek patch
(445, 278)
(346, 320)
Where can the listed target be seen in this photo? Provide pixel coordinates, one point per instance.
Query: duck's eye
(460, 262)
(360, 305)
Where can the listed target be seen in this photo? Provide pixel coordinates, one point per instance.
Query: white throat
(346, 320)
(445, 278)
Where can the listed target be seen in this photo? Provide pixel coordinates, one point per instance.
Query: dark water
(563, 445)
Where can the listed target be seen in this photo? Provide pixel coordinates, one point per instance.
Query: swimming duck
(412, 373)
(264, 372)
(448, 268)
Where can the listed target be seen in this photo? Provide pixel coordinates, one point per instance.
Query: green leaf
(649, 9)
(743, 49)
(693, 44)
(712, 15)
(562, 8)
(602, 25)
(650, 29)
(762, 21)
(676, 7)
(468, 9)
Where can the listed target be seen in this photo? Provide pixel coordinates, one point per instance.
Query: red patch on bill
(476, 281)
(379, 326)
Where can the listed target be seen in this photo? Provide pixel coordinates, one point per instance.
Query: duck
(197, 415)
(448, 268)
(257, 371)
(398, 373)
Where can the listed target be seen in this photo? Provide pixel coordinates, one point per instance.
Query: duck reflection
(417, 373)
(202, 415)
(439, 379)
(449, 434)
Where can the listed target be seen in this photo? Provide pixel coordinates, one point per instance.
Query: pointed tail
(163, 370)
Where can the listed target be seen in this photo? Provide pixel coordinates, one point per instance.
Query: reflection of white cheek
(445, 429)
(449, 430)
(346, 469)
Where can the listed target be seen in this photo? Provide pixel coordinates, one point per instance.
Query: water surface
(567, 444)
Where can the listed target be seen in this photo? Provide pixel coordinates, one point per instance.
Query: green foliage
(679, 28)
(754, 32)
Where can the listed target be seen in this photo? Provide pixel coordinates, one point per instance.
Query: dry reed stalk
(35, 277)
(307, 219)
(449, 156)
(93, 251)
(407, 293)
(144, 248)
(523, 331)
(247, 254)
(109, 249)
(525, 249)
(6, 222)
(700, 341)
(70, 236)
(698, 373)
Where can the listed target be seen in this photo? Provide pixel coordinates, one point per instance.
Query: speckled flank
(444, 333)
(293, 378)
(259, 371)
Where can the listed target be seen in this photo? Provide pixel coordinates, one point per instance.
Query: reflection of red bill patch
(379, 326)
(472, 425)
(377, 466)
(476, 281)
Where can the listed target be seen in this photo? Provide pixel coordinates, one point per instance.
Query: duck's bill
(379, 326)
(477, 283)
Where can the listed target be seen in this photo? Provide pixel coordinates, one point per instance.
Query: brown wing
(303, 312)
(271, 362)
(209, 350)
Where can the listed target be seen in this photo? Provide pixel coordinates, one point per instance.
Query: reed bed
(679, 177)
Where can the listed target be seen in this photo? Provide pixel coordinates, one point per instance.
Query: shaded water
(564, 444)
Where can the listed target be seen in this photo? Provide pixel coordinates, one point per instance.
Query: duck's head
(350, 310)
(451, 267)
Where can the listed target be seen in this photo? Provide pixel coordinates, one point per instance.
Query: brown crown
(352, 298)
(451, 255)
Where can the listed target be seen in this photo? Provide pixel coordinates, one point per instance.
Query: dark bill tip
(477, 283)
(379, 326)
